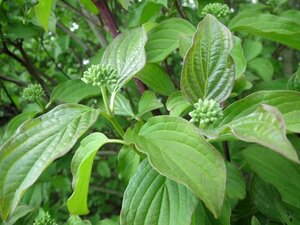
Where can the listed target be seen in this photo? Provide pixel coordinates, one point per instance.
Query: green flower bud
(100, 75)
(33, 92)
(206, 112)
(45, 219)
(217, 9)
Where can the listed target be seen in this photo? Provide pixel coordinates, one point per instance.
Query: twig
(226, 151)
(107, 191)
(107, 17)
(52, 59)
(17, 82)
(277, 51)
(179, 9)
(8, 95)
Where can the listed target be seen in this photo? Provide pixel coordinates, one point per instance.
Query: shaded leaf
(148, 102)
(164, 38)
(36, 144)
(151, 198)
(177, 104)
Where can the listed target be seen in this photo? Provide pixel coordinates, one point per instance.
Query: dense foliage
(152, 112)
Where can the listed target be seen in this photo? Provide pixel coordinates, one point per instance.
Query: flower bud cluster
(206, 112)
(99, 75)
(33, 92)
(217, 9)
(45, 220)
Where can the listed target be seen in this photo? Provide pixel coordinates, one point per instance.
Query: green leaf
(75, 220)
(164, 38)
(73, 91)
(148, 102)
(177, 104)
(199, 216)
(291, 14)
(124, 3)
(128, 162)
(185, 42)
(252, 49)
(276, 170)
(275, 28)
(89, 5)
(266, 127)
(294, 81)
(224, 217)
(151, 198)
(238, 57)
(262, 67)
(235, 183)
(43, 12)
(127, 55)
(122, 106)
(177, 150)
(13, 124)
(81, 167)
(254, 221)
(35, 146)
(157, 79)
(208, 70)
(287, 102)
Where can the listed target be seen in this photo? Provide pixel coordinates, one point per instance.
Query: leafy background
(53, 42)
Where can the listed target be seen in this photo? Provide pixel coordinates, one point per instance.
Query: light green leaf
(13, 124)
(157, 79)
(148, 102)
(235, 183)
(185, 42)
(89, 5)
(275, 28)
(262, 67)
(208, 70)
(36, 144)
(276, 170)
(164, 38)
(43, 12)
(252, 49)
(128, 162)
(81, 167)
(177, 150)
(75, 220)
(107, 222)
(127, 55)
(291, 14)
(287, 102)
(266, 127)
(124, 3)
(73, 91)
(254, 221)
(151, 198)
(294, 81)
(177, 104)
(122, 106)
(199, 216)
(238, 57)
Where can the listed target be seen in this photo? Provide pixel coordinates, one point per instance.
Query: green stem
(105, 100)
(117, 141)
(115, 123)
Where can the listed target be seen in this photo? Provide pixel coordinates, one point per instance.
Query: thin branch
(52, 59)
(179, 9)
(107, 17)
(75, 38)
(107, 191)
(17, 82)
(8, 95)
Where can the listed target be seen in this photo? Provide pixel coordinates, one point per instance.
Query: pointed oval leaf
(148, 102)
(266, 127)
(151, 198)
(36, 144)
(208, 69)
(177, 104)
(81, 167)
(164, 38)
(287, 102)
(73, 91)
(276, 170)
(127, 54)
(269, 26)
(177, 150)
(156, 78)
